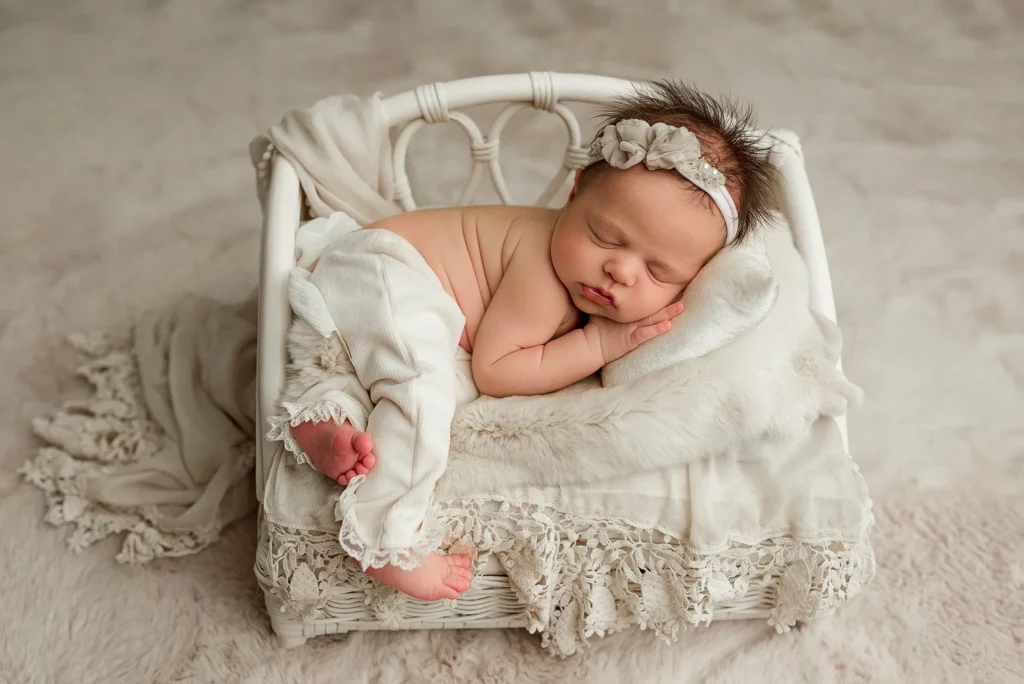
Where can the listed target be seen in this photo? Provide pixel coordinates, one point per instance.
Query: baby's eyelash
(663, 279)
(599, 239)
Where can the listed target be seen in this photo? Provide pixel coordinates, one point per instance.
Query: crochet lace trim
(280, 426)
(428, 540)
(578, 576)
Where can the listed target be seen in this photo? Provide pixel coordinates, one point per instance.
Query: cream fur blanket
(741, 401)
(163, 449)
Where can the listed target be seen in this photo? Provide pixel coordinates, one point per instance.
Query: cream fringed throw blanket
(163, 449)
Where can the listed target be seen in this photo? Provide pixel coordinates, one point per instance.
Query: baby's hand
(614, 340)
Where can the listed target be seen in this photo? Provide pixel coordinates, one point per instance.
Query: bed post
(277, 257)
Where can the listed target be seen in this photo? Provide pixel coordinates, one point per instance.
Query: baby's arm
(513, 353)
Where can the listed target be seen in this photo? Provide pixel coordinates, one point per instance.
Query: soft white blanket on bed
(163, 450)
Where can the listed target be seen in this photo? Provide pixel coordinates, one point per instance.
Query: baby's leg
(401, 330)
(338, 451)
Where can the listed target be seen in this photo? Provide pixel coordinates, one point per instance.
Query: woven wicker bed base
(490, 604)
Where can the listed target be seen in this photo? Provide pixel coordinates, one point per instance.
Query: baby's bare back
(470, 249)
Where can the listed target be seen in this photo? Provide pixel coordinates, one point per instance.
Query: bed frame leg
(289, 631)
(291, 641)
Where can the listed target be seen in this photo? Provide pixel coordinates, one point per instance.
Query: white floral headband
(630, 141)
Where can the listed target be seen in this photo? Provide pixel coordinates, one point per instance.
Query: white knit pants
(401, 331)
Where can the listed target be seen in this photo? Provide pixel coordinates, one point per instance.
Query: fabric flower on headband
(660, 146)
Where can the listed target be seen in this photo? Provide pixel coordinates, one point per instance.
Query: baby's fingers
(670, 311)
(649, 332)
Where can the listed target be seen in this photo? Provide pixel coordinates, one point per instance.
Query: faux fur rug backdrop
(126, 182)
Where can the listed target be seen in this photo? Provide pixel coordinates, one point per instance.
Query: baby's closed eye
(603, 241)
(662, 274)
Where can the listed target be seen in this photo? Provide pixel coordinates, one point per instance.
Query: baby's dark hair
(727, 135)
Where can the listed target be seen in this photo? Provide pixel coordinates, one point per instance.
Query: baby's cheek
(580, 255)
(666, 296)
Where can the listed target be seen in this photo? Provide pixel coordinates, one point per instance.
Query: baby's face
(627, 245)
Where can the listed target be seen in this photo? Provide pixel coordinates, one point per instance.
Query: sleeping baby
(433, 307)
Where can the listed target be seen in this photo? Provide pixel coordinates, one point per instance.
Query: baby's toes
(460, 580)
(365, 464)
(458, 560)
(362, 443)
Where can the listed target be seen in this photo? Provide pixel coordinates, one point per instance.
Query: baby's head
(641, 235)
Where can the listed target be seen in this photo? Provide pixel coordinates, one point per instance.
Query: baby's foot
(338, 451)
(443, 577)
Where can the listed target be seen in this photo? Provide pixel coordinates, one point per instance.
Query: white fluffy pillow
(732, 293)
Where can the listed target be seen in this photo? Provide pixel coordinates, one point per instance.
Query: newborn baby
(529, 299)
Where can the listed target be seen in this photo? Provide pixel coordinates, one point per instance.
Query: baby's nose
(618, 272)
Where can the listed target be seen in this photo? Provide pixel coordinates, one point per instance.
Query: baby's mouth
(597, 295)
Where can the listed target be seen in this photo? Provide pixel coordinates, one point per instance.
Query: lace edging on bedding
(578, 576)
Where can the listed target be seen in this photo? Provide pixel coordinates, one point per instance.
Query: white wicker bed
(491, 602)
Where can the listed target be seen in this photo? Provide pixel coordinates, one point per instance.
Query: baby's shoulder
(515, 221)
(528, 242)
(529, 228)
